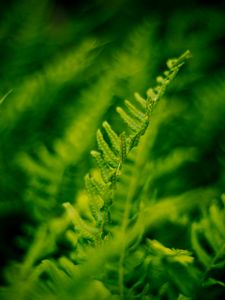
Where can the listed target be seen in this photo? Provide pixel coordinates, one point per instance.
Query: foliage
(143, 215)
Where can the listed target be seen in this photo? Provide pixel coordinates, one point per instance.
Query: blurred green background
(65, 65)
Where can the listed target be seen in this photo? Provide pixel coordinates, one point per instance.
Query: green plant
(111, 230)
(141, 217)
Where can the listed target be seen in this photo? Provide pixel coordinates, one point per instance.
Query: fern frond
(55, 75)
(140, 100)
(108, 154)
(208, 240)
(175, 267)
(105, 170)
(86, 231)
(134, 111)
(123, 146)
(95, 201)
(133, 124)
(137, 121)
(114, 138)
(110, 159)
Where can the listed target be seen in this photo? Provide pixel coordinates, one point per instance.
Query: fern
(110, 164)
(208, 242)
(137, 123)
(147, 219)
(111, 157)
